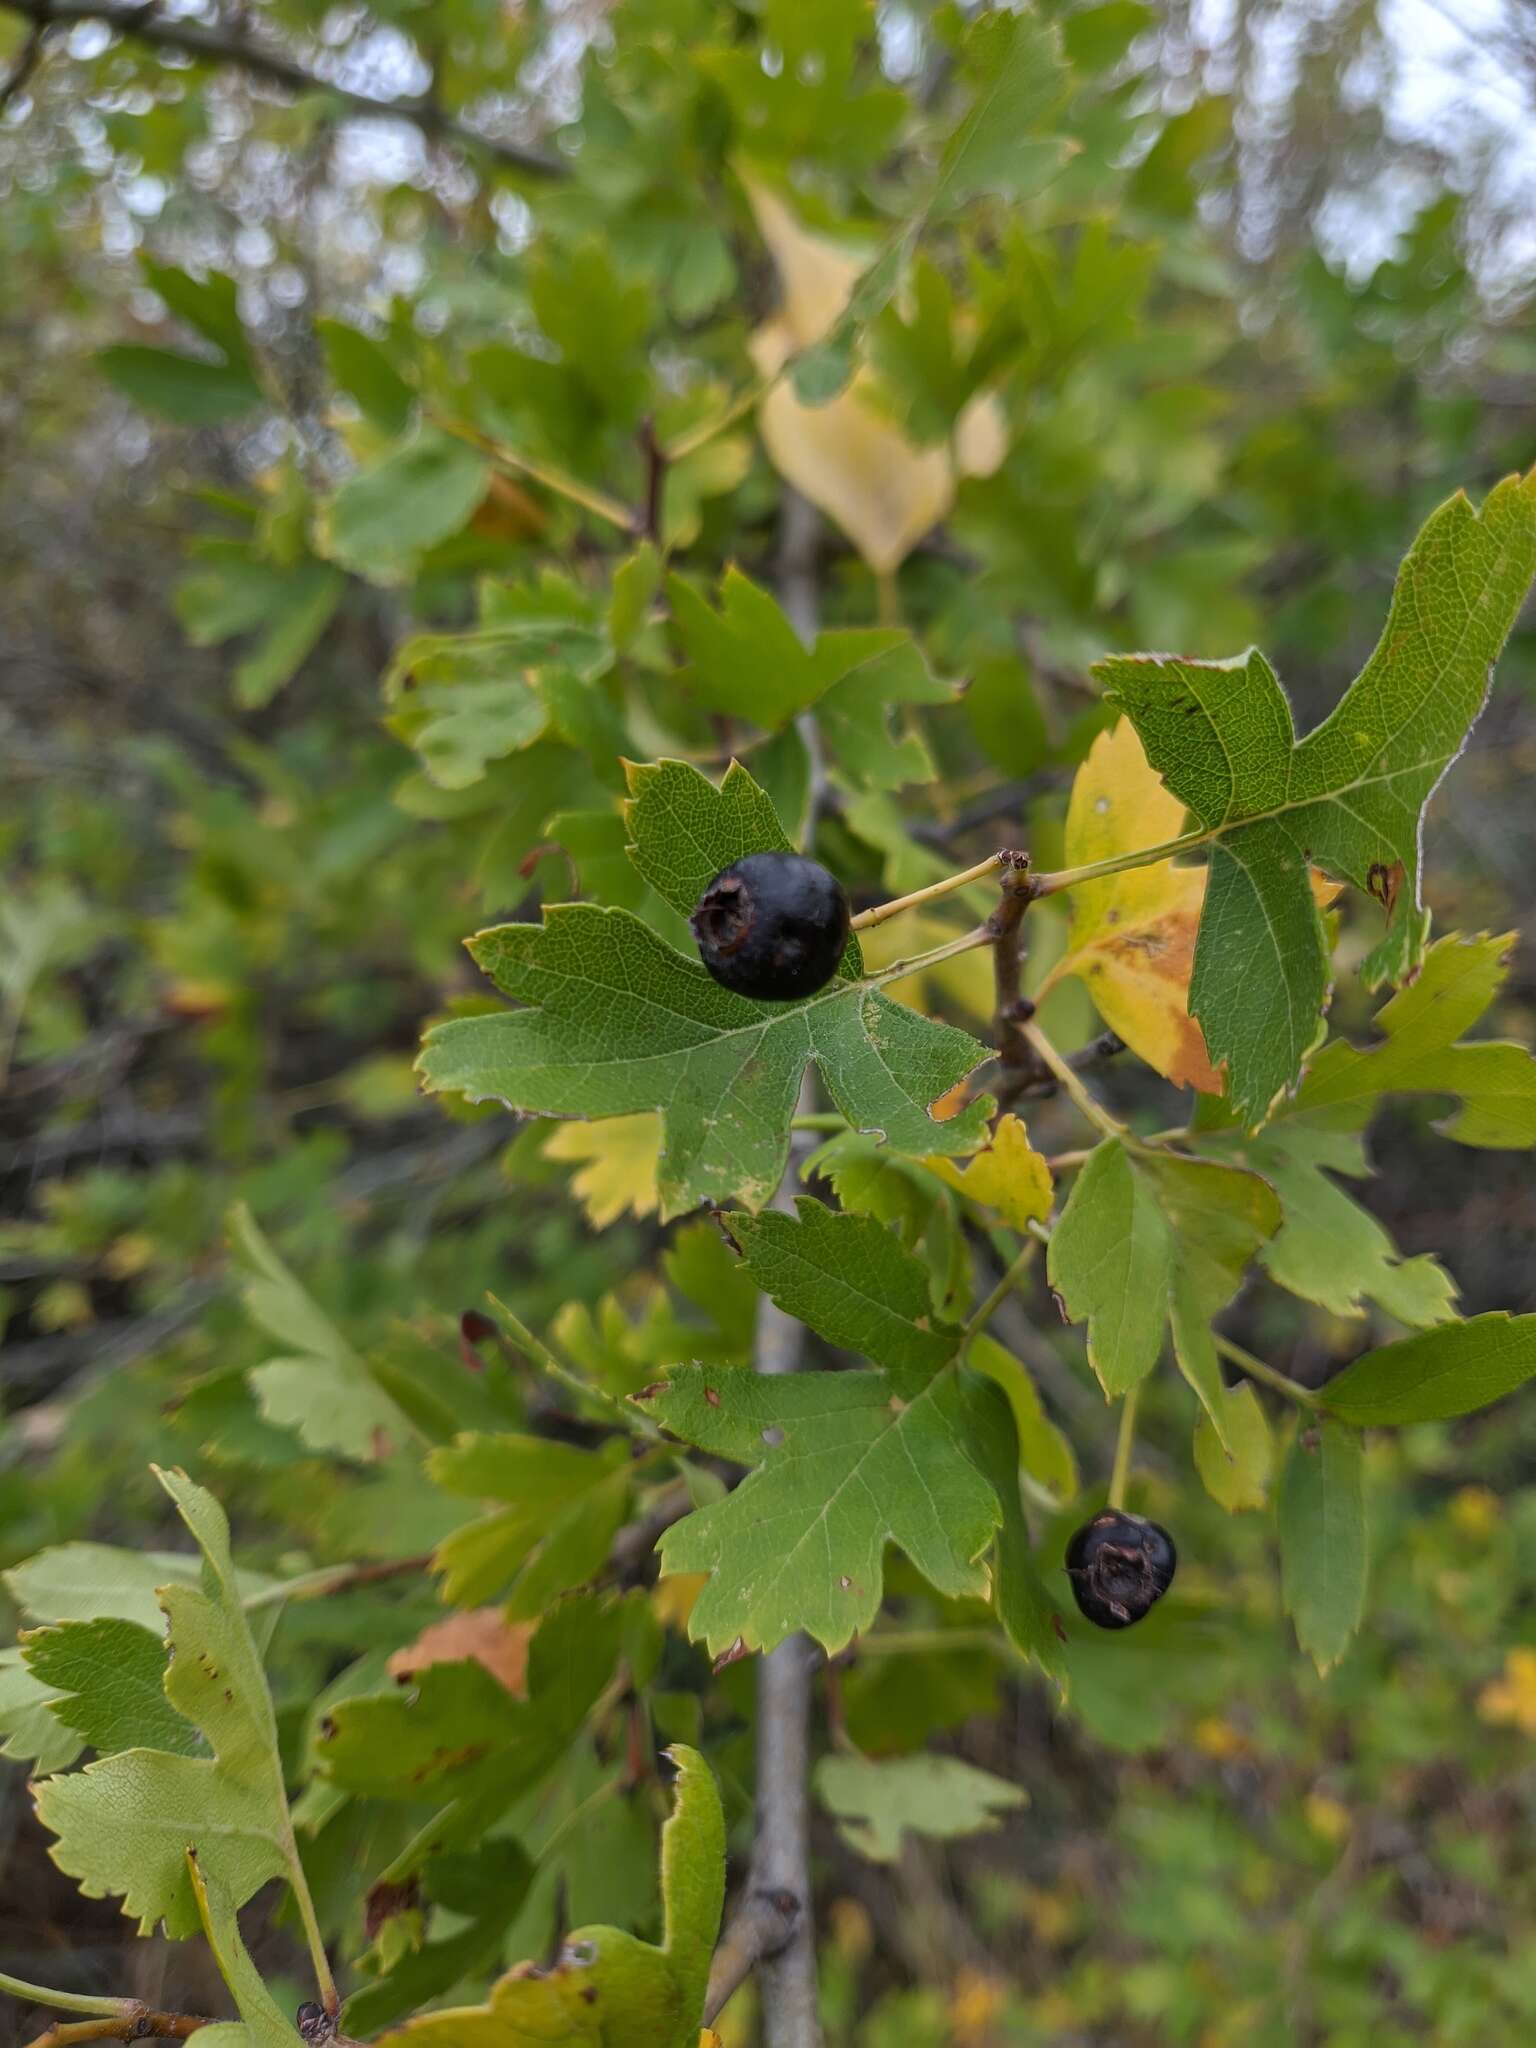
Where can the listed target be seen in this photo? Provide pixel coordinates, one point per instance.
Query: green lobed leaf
(1148, 1240)
(851, 1281)
(464, 700)
(1419, 1053)
(845, 1465)
(747, 661)
(384, 519)
(877, 1801)
(692, 1881)
(458, 1737)
(79, 1581)
(1348, 798)
(1329, 1249)
(618, 1022)
(1437, 1374)
(109, 1677)
(325, 1393)
(1021, 80)
(562, 1509)
(606, 1988)
(1323, 1554)
(847, 1461)
(684, 831)
(32, 1734)
(124, 1823)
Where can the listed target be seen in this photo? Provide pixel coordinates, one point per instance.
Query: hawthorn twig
(232, 46)
(867, 919)
(781, 1849)
(761, 1928)
(137, 2023)
(337, 1578)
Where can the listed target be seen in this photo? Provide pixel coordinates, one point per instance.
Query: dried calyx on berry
(1120, 1566)
(773, 926)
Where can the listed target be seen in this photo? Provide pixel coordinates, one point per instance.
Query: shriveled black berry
(1120, 1566)
(773, 926)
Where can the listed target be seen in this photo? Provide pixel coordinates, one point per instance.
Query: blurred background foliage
(1272, 306)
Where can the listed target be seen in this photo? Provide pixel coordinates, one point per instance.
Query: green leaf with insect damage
(1348, 798)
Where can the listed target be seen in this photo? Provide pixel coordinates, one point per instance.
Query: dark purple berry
(1120, 1566)
(773, 926)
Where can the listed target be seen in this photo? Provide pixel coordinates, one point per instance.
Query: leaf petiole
(1267, 1375)
(1084, 1099)
(67, 2001)
(900, 969)
(1120, 1472)
(1119, 863)
(538, 1353)
(569, 487)
(868, 919)
(999, 1294)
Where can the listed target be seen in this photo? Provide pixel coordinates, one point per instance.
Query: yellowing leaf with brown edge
(1132, 936)
(1009, 1176)
(621, 1155)
(846, 457)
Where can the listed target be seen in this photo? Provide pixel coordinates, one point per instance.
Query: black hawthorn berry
(1120, 1566)
(773, 926)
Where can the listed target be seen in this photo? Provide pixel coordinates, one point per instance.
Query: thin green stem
(868, 919)
(1144, 857)
(66, 2001)
(1068, 1162)
(538, 1353)
(698, 437)
(325, 1983)
(1268, 1375)
(1120, 1472)
(820, 1120)
(1000, 1293)
(900, 969)
(585, 495)
(336, 1578)
(1084, 1099)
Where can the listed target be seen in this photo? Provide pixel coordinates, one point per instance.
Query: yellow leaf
(1326, 1817)
(846, 457)
(673, 1598)
(1010, 1176)
(1512, 1698)
(1132, 935)
(623, 1152)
